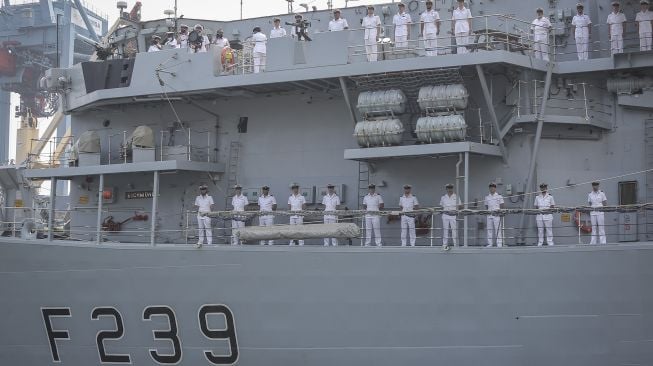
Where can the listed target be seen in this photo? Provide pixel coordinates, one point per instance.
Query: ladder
(363, 182)
(648, 126)
(232, 169)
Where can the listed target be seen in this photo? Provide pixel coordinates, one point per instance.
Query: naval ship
(102, 267)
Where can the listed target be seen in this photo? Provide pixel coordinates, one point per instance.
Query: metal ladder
(232, 172)
(648, 125)
(363, 182)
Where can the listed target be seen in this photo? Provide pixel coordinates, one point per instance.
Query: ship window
(628, 193)
(242, 125)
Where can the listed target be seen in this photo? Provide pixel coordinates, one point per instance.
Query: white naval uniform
(461, 28)
(331, 202)
(296, 203)
(265, 204)
(372, 222)
(338, 25)
(449, 203)
(544, 221)
(183, 41)
(595, 199)
(238, 203)
(644, 19)
(582, 35)
(402, 22)
(429, 18)
(615, 22)
(260, 51)
(540, 27)
(370, 23)
(221, 42)
(171, 43)
(204, 222)
(407, 204)
(154, 48)
(278, 32)
(493, 203)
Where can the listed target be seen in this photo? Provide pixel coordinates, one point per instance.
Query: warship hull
(252, 305)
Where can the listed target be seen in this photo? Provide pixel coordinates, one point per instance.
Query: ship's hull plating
(331, 306)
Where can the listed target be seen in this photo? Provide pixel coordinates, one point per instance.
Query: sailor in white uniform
(494, 202)
(278, 31)
(182, 38)
(540, 28)
(407, 203)
(204, 205)
(338, 23)
(450, 202)
(616, 29)
(430, 29)
(372, 25)
(220, 40)
(372, 202)
(238, 202)
(644, 23)
(461, 26)
(155, 44)
(266, 203)
(260, 49)
(597, 198)
(171, 41)
(296, 202)
(402, 21)
(544, 221)
(330, 201)
(582, 26)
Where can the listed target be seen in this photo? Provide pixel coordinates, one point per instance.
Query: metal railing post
(432, 226)
(208, 147)
(99, 209)
(363, 231)
(124, 146)
(587, 117)
(189, 146)
(161, 146)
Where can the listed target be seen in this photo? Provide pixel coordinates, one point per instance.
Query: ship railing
(14, 217)
(487, 33)
(58, 151)
(570, 226)
(566, 98)
(599, 44)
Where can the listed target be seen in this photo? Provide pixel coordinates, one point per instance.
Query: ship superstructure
(150, 127)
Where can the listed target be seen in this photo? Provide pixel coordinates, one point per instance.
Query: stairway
(363, 181)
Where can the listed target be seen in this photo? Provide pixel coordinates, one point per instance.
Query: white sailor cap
(203, 186)
(539, 10)
(643, 2)
(294, 184)
(579, 5)
(238, 186)
(407, 186)
(449, 185)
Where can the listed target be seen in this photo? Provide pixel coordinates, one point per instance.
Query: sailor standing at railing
(266, 203)
(430, 29)
(540, 28)
(544, 201)
(338, 23)
(582, 27)
(296, 202)
(461, 26)
(644, 23)
(220, 41)
(330, 202)
(238, 202)
(597, 198)
(372, 25)
(616, 29)
(494, 202)
(155, 44)
(260, 49)
(372, 202)
(277, 31)
(182, 38)
(407, 203)
(402, 21)
(204, 205)
(450, 202)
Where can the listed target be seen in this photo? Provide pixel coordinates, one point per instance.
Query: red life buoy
(584, 226)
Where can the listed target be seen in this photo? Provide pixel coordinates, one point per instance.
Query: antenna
(241, 9)
(290, 9)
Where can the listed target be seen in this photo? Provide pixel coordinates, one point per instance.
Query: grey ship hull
(335, 306)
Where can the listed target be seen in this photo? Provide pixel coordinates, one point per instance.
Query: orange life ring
(584, 226)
